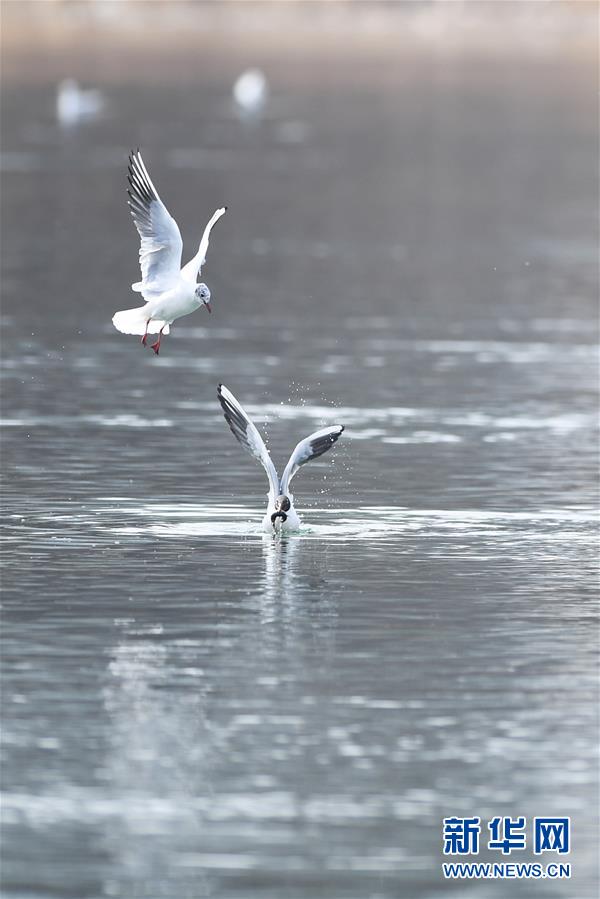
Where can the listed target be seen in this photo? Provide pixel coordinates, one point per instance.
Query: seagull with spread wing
(169, 291)
(280, 514)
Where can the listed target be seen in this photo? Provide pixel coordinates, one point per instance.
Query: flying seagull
(280, 514)
(169, 292)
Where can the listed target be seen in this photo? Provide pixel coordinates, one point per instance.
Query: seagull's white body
(180, 300)
(170, 291)
(292, 522)
(280, 515)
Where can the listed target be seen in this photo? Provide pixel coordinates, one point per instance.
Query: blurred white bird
(169, 292)
(280, 514)
(74, 105)
(250, 92)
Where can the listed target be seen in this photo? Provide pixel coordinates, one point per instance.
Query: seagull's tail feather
(133, 321)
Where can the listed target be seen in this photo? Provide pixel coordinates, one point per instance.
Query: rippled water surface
(195, 709)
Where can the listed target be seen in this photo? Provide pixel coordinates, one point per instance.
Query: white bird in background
(280, 514)
(250, 92)
(74, 105)
(169, 292)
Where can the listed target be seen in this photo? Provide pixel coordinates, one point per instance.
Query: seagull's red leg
(145, 337)
(156, 346)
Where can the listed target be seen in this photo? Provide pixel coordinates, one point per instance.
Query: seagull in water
(74, 105)
(169, 292)
(250, 93)
(280, 514)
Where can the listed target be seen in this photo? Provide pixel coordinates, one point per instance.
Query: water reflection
(171, 737)
(297, 601)
(159, 761)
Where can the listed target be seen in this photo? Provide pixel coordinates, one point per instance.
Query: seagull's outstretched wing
(192, 268)
(248, 436)
(161, 244)
(309, 448)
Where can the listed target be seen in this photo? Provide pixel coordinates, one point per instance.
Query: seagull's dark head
(282, 505)
(203, 295)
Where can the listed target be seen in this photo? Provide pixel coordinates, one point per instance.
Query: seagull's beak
(277, 515)
(208, 307)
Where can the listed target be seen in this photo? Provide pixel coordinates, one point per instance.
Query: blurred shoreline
(155, 39)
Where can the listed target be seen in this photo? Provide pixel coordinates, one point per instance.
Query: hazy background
(191, 709)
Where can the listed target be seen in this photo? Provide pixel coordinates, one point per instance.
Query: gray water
(192, 708)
